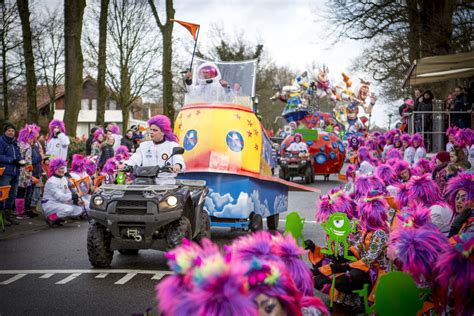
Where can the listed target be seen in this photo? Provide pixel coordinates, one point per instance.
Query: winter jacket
(9, 151)
(129, 143)
(107, 152)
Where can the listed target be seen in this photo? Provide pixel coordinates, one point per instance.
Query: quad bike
(151, 213)
(296, 164)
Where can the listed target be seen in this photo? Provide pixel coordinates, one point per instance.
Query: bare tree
(73, 16)
(12, 64)
(102, 65)
(166, 30)
(49, 44)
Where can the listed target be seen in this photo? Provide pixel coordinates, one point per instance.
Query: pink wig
(290, 254)
(463, 181)
(387, 175)
(272, 279)
(314, 302)
(418, 138)
(164, 124)
(424, 190)
(98, 132)
(55, 164)
(364, 184)
(259, 244)
(389, 136)
(91, 166)
(298, 135)
(56, 123)
(452, 130)
(123, 151)
(30, 131)
(115, 129)
(422, 166)
(363, 154)
(373, 212)
(455, 275)
(400, 166)
(402, 195)
(110, 166)
(418, 250)
(394, 153)
(381, 141)
(350, 171)
(396, 140)
(326, 208)
(406, 138)
(79, 163)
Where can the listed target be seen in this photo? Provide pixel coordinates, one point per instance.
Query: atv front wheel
(128, 252)
(178, 230)
(307, 175)
(205, 229)
(98, 245)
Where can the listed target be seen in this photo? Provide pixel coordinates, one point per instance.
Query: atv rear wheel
(205, 229)
(178, 230)
(128, 252)
(98, 245)
(307, 175)
(256, 222)
(272, 221)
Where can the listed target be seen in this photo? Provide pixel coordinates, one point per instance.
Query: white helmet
(208, 73)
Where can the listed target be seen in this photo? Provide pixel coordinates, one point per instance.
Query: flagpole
(194, 50)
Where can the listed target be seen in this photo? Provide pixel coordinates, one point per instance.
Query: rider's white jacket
(297, 147)
(151, 154)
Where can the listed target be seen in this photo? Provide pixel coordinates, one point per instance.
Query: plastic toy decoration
(294, 225)
(338, 227)
(120, 179)
(396, 294)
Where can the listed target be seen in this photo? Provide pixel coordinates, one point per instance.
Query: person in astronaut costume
(157, 150)
(209, 85)
(58, 201)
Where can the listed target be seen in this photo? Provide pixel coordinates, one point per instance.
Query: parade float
(226, 145)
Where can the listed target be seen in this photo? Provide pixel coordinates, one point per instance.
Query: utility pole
(389, 120)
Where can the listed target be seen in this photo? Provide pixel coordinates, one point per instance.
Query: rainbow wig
(463, 181)
(55, 164)
(394, 153)
(416, 216)
(79, 163)
(272, 279)
(373, 212)
(164, 124)
(56, 123)
(424, 190)
(418, 250)
(387, 175)
(123, 151)
(455, 275)
(98, 132)
(30, 131)
(343, 203)
(290, 254)
(259, 244)
(115, 129)
(418, 138)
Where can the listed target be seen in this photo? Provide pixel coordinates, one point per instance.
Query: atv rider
(298, 145)
(156, 151)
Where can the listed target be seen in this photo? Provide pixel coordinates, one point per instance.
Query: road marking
(159, 275)
(101, 275)
(82, 271)
(306, 222)
(69, 278)
(46, 276)
(13, 279)
(126, 278)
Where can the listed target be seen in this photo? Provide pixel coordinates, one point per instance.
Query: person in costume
(298, 145)
(115, 130)
(156, 151)
(58, 201)
(451, 133)
(209, 85)
(419, 145)
(403, 170)
(82, 181)
(460, 196)
(439, 172)
(367, 163)
(408, 149)
(58, 142)
(98, 142)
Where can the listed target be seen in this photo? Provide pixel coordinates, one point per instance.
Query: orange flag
(83, 185)
(191, 27)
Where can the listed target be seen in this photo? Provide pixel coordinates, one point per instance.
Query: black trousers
(345, 283)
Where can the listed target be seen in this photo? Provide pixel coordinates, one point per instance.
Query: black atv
(295, 164)
(152, 213)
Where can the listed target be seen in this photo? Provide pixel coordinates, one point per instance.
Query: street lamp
(389, 120)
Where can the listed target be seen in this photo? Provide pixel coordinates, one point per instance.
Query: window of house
(85, 104)
(94, 105)
(112, 105)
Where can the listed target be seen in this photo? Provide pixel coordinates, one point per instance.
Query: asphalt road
(47, 272)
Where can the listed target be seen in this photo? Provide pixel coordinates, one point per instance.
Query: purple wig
(259, 244)
(363, 154)
(123, 150)
(115, 129)
(452, 130)
(463, 181)
(424, 190)
(422, 166)
(406, 138)
(298, 135)
(79, 163)
(290, 254)
(364, 184)
(372, 144)
(110, 166)
(418, 250)
(381, 141)
(164, 124)
(400, 166)
(326, 208)
(418, 138)
(387, 175)
(394, 153)
(344, 203)
(402, 195)
(91, 166)
(389, 136)
(272, 279)
(350, 171)
(396, 140)
(30, 131)
(55, 164)
(98, 132)
(416, 216)
(455, 275)
(373, 212)
(56, 123)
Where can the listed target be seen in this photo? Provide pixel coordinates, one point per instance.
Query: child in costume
(58, 142)
(419, 145)
(82, 181)
(98, 142)
(403, 171)
(408, 149)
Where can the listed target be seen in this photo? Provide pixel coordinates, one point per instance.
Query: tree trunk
(32, 110)
(436, 29)
(414, 30)
(167, 35)
(125, 96)
(73, 15)
(125, 118)
(101, 92)
(4, 85)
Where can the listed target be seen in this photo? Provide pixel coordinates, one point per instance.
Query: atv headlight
(98, 201)
(303, 162)
(172, 201)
